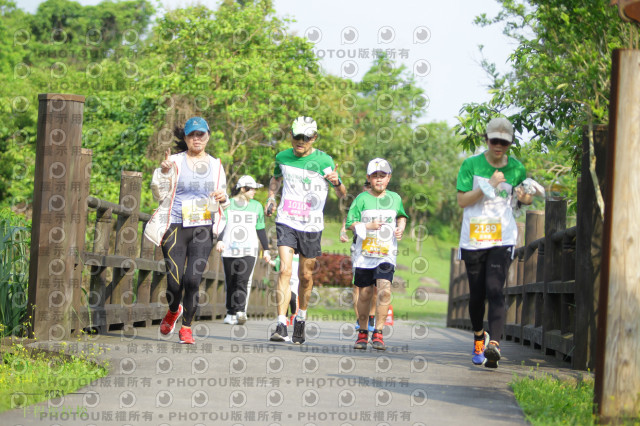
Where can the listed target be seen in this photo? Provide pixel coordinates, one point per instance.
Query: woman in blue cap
(190, 187)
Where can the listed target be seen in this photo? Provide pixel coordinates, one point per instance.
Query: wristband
(271, 199)
(339, 183)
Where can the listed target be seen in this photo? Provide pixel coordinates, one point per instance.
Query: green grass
(546, 400)
(14, 272)
(436, 252)
(433, 312)
(30, 376)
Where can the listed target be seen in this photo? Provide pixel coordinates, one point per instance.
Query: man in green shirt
(305, 175)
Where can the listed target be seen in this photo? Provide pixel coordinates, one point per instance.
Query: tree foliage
(238, 66)
(560, 71)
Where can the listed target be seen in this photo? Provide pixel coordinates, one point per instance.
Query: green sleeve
(355, 213)
(260, 218)
(465, 176)
(276, 169)
(400, 211)
(277, 172)
(522, 175)
(321, 161)
(332, 164)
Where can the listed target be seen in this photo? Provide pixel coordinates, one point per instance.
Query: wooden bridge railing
(119, 281)
(552, 286)
(539, 289)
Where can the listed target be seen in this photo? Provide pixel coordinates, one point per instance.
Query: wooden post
(121, 290)
(534, 230)
(538, 295)
(513, 296)
(618, 365)
(144, 277)
(80, 183)
(55, 201)
(555, 220)
(588, 251)
(98, 280)
(567, 300)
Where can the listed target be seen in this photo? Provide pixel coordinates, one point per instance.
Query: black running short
(365, 277)
(307, 244)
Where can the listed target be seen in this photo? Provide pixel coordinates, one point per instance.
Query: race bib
(296, 208)
(485, 231)
(196, 213)
(372, 246)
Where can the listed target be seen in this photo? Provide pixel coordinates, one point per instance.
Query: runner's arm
(341, 190)
(469, 198)
(274, 186)
(401, 224)
(264, 241)
(523, 197)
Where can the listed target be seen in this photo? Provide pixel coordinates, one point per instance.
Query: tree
(424, 157)
(59, 49)
(559, 79)
(237, 66)
(248, 76)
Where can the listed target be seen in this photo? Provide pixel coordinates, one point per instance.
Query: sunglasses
(499, 142)
(302, 137)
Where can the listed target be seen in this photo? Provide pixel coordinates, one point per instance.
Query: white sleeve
(222, 184)
(161, 184)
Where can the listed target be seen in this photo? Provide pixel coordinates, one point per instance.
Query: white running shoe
(230, 319)
(241, 317)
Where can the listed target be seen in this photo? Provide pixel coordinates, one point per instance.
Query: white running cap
(378, 165)
(304, 126)
(248, 182)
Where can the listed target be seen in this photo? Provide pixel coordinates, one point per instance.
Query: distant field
(410, 267)
(436, 252)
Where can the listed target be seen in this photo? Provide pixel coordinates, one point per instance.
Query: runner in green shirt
(487, 183)
(305, 175)
(378, 219)
(238, 244)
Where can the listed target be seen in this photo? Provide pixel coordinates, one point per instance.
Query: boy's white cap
(500, 128)
(378, 165)
(248, 182)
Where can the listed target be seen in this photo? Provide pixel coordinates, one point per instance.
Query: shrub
(333, 270)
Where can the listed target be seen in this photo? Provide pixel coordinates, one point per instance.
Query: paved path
(235, 376)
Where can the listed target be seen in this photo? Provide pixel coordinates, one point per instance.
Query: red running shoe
(377, 342)
(169, 321)
(363, 339)
(186, 336)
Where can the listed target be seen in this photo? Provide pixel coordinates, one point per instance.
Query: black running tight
(237, 273)
(193, 246)
(487, 273)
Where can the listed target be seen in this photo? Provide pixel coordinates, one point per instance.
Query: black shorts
(364, 277)
(307, 244)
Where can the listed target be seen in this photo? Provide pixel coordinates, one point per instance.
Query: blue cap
(195, 123)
